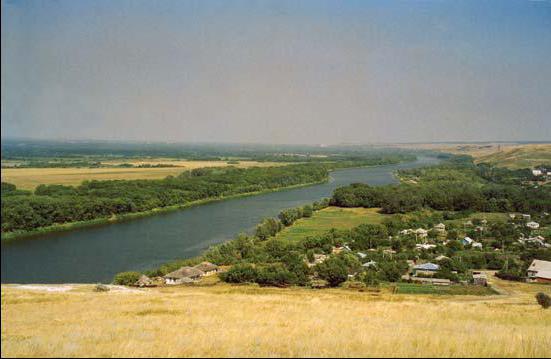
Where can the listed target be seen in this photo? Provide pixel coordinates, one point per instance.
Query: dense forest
(455, 186)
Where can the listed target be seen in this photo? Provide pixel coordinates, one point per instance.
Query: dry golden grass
(249, 321)
(29, 178)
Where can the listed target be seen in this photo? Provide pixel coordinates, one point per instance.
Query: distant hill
(511, 155)
(521, 156)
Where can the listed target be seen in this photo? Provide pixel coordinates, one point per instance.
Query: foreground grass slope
(225, 320)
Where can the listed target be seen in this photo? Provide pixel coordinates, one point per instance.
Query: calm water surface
(96, 254)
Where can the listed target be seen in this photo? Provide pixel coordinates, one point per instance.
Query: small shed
(144, 281)
(533, 225)
(480, 278)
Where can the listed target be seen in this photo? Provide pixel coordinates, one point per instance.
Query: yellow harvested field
(29, 178)
(248, 321)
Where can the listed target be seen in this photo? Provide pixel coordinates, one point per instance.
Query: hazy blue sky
(277, 71)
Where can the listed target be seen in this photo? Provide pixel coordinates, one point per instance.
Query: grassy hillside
(328, 218)
(526, 156)
(248, 321)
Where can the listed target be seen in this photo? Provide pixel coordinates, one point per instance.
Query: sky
(308, 72)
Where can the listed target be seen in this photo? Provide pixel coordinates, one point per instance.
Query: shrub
(240, 273)
(126, 278)
(268, 228)
(544, 300)
(333, 270)
(370, 278)
(101, 288)
(276, 275)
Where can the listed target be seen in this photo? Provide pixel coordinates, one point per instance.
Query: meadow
(328, 218)
(246, 321)
(29, 178)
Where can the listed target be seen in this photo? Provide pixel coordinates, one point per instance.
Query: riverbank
(72, 226)
(96, 254)
(65, 227)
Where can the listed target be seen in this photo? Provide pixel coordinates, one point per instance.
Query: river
(95, 254)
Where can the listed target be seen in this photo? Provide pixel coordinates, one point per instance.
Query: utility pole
(506, 258)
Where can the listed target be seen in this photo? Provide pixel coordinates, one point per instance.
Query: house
(441, 258)
(144, 281)
(533, 225)
(406, 231)
(484, 221)
(476, 245)
(337, 250)
(440, 227)
(183, 275)
(512, 215)
(425, 246)
(425, 269)
(526, 216)
(539, 271)
(421, 233)
(207, 267)
(389, 252)
(318, 258)
(480, 278)
(467, 241)
(369, 264)
(537, 172)
(537, 241)
(362, 255)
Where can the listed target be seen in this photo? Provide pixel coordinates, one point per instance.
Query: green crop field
(413, 288)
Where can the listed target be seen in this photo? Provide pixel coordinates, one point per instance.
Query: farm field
(246, 320)
(331, 217)
(29, 178)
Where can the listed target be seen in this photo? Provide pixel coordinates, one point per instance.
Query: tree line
(57, 204)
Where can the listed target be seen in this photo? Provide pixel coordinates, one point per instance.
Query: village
(430, 262)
